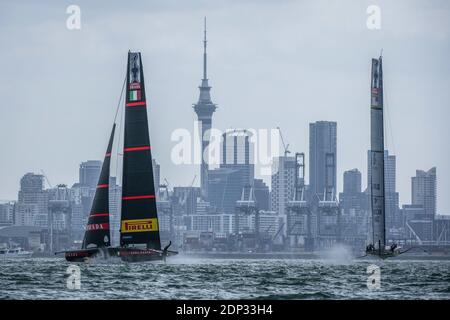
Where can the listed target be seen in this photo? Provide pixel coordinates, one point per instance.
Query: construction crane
(167, 183)
(193, 180)
(278, 232)
(46, 178)
(285, 146)
(164, 186)
(183, 202)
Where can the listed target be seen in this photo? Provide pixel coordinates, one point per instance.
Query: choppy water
(183, 278)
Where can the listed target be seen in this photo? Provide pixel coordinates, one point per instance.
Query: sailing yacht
(139, 227)
(377, 185)
(14, 253)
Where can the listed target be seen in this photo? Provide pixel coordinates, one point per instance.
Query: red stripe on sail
(99, 215)
(97, 226)
(136, 148)
(101, 186)
(108, 155)
(136, 104)
(150, 196)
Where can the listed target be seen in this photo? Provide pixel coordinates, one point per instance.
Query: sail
(139, 221)
(377, 156)
(97, 229)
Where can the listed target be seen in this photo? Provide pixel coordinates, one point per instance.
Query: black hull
(84, 255)
(125, 254)
(140, 255)
(383, 254)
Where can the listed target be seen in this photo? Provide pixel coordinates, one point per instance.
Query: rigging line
(121, 125)
(120, 98)
(389, 123)
(391, 132)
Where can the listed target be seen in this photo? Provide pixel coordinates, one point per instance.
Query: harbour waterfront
(199, 278)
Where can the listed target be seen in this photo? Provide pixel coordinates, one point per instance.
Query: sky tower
(204, 109)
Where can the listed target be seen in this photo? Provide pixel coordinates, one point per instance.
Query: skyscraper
(89, 173)
(322, 157)
(32, 204)
(6, 214)
(78, 217)
(156, 176)
(352, 200)
(204, 109)
(262, 194)
(237, 153)
(352, 181)
(115, 202)
(225, 188)
(282, 184)
(236, 171)
(354, 219)
(85, 190)
(423, 190)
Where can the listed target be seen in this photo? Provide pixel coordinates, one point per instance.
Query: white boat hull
(15, 254)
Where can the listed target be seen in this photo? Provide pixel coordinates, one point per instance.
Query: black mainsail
(377, 198)
(376, 177)
(97, 229)
(139, 230)
(139, 220)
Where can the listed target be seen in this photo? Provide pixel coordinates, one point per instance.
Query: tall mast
(139, 219)
(377, 187)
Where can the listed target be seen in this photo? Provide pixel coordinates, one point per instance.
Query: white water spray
(338, 254)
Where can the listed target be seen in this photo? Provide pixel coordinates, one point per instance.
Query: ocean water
(189, 278)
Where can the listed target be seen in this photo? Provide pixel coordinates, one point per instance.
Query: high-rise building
(322, 158)
(32, 205)
(282, 184)
(156, 175)
(237, 153)
(204, 109)
(6, 214)
(81, 197)
(236, 171)
(352, 181)
(60, 214)
(90, 172)
(262, 194)
(59, 205)
(352, 200)
(224, 189)
(78, 219)
(353, 206)
(187, 199)
(115, 201)
(423, 190)
(84, 191)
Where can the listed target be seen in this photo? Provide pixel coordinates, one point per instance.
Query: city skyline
(58, 163)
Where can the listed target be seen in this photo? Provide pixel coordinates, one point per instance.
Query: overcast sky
(271, 63)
